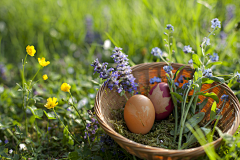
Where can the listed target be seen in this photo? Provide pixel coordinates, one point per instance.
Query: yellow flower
(51, 103)
(45, 77)
(30, 50)
(42, 62)
(65, 87)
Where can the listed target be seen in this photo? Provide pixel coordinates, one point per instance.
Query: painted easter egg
(161, 99)
(139, 114)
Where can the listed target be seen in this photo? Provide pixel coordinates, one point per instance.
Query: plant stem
(65, 127)
(184, 119)
(26, 121)
(10, 132)
(23, 78)
(169, 49)
(36, 74)
(175, 109)
(37, 131)
(218, 84)
(77, 111)
(23, 93)
(125, 96)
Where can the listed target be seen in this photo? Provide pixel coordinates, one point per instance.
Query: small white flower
(10, 151)
(22, 146)
(70, 70)
(107, 44)
(161, 141)
(91, 95)
(1, 89)
(0, 141)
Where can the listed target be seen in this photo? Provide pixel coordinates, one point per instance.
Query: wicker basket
(106, 99)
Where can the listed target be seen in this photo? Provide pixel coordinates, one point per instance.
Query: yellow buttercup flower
(30, 50)
(51, 103)
(45, 77)
(65, 87)
(42, 62)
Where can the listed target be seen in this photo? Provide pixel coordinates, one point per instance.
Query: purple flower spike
(207, 72)
(224, 97)
(215, 23)
(93, 120)
(214, 58)
(156, 51)
(180, 79)
(6, 141)
(170, 27)
(187, 49)
(190, 61)
(185, 86)
(168, 69)
(155, 79)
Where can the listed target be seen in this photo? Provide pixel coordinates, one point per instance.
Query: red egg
(139, 114)
(161, 99)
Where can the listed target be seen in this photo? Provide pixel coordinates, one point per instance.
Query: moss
(159, 135)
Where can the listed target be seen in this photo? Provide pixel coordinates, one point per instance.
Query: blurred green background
(57, 28)
(71, 34)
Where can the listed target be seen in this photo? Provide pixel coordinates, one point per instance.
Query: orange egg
(139, 114)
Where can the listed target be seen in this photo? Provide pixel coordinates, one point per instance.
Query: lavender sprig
(119, 77)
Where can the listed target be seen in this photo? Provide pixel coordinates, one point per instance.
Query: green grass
(57, 29)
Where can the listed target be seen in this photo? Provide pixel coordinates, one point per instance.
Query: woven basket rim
(172, 152)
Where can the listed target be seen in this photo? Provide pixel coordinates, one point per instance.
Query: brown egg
(139, 114)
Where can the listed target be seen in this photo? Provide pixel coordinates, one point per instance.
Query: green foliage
(211, 95)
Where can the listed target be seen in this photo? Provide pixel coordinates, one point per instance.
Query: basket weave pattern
(107, 100)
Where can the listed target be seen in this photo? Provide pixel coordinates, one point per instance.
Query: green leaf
(196, 61)
(111, 39)
(217, 79)
(95, 82)
(97, 158)
(18, 131)
(73, 155)
(206, 130)
(211, 95)
(194, 120)
(174, 100)
(203, 104)
(172, 132)
(16, 157)
(70, 141)
(209, 65)
(19, 85)
(49, 115)
(193, 139)
(178, 71)
(213, 111)
(36, 98)
(2, 152)
(65, 135)
(178, 96)
(96, 147)
(197, 75)
(38, 113)
(207, 81)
